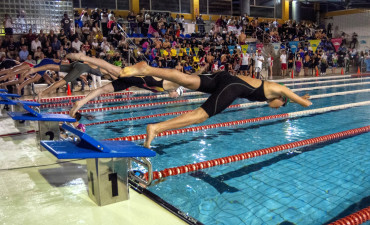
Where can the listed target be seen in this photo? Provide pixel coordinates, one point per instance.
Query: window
(144, 4)
(262, 12)
(168, 5)
(185, 6)
(203, 6)
(220, 7)
(124, 4)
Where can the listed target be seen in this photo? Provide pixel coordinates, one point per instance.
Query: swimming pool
(314, 184)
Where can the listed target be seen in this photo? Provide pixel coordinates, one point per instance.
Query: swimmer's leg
(112, 69)
(141, 68)
(193, 117)
(103, 90)
(52, 87)
(34, 79)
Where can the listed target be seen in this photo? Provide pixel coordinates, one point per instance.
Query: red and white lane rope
(67, 104)
(66, 98)
(244, 105)
(118, 100)
(356, 218)
(247, 155)
(187, 100)
(240, 122)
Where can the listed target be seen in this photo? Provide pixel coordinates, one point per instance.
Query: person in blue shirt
(23, 54)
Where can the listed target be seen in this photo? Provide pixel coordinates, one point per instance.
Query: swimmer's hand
(306, 96)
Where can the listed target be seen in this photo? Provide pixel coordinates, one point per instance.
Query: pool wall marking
(245, 121)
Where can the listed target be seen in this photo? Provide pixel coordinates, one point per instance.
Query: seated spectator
(55, 44)
(23, 54)
(35, 44)
(76, 44)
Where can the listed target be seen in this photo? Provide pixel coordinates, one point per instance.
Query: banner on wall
(276, 47)
(252, 48)
(336, 42)
(244, 48)
(293, 46)
(231, 49)
(314, 44)
(259, 46)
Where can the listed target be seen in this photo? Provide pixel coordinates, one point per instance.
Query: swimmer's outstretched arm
(284, 91)
(142, 69)
(97, 62)
(97, 92)
(193, 117)
(43, 68)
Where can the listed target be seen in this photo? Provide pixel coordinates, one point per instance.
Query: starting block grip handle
(86, 140)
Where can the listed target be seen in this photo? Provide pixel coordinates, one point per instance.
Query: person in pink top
(77, 124)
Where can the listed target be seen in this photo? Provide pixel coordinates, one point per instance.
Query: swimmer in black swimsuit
(224, 89)
(74, 70)
(153, 84)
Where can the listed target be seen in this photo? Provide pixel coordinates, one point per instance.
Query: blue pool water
(313, 185)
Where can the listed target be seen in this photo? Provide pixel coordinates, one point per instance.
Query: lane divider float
(189, 100)
(252, 154)
(245, 121)
(244, 105)
(356, 218)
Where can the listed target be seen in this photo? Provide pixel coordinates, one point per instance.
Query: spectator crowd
(161, 40)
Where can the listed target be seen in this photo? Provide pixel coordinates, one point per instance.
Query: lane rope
(244, 105)
(103, 109)
(66, 98)
(356, 218)
(167, 96)
(245, 121)
(256, 153)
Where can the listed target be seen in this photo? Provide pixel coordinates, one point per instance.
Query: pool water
(313, 185)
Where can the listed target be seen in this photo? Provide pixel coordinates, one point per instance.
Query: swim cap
(180, 91)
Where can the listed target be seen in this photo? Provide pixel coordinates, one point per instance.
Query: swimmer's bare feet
(135, 70)
(150, 134)
(75, 56)
(75, 108)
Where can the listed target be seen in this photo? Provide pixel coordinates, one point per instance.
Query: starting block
(10, 105)
(3, 90)
(48, 124)
(108, 163)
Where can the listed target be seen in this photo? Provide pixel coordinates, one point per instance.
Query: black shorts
(224, 89)
(244, 68)
(75, 70)
(148, 83)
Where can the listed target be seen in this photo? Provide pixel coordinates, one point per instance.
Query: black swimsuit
(224, 89)
(148, 83)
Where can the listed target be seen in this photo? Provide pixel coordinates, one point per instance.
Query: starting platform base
(108, 180)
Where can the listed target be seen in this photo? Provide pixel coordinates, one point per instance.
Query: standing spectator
(283, 61)
(140, 22)
(35, 44)
(66, 24)
(95, 17)
(85, 18)
(270, 64)
(8, 24)
(30, 36)
(244, 63)
(200, 23)
(259, 61)
(132, 22)
(298, 65)
(23, 54)
(42, 37)
(104, 22)
(306, 63)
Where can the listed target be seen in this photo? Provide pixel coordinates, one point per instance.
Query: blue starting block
(48, 124)
(3, 90)
(108, 163)
(10, 105)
